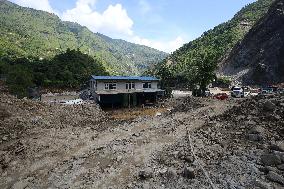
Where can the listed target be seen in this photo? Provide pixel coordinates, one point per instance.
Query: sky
(162, 24)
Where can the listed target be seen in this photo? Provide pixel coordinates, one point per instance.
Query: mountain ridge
(28, 32)
(217, 42)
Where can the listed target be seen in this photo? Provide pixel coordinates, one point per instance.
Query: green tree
(73, 68)
(3, 67)
(223, 81)
(202, 72)
(19, 79)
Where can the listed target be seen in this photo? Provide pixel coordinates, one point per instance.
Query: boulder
(263, 169)
(188, 172)
(171, 173)
(251, 122)
(118, 158)
(281, 167)
(189, 159)
(181, 155)
(145, 174)
(136, 134)
(158, 114)
(256, 133)
(4, 113)
(20, 185)
(269, 106)
(281, 132)
(254, 137)
(278, 146)
(280, 154)
(270, 159)
(261, 184)
(163, 171)
(257, 130)
(272, 176)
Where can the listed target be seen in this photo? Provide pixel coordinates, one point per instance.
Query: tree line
(70, 69)
(196, 73)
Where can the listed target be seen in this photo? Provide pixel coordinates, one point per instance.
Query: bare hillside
(259, 58)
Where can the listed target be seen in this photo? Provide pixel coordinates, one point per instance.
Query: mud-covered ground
(193, 143)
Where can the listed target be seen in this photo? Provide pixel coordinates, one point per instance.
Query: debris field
(192, 143)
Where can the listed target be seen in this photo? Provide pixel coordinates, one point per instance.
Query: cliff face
(259, 58)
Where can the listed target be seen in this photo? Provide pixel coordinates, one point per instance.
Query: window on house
(110, 86)
(147, 85)
(130, 85)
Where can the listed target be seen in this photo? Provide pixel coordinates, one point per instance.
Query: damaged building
(125, 91)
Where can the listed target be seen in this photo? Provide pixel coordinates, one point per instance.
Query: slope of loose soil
(240, 148)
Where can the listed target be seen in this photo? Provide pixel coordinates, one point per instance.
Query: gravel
(199, 143)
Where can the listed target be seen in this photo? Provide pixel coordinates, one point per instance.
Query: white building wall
(100, 86)
(121, 85)
(155, 85)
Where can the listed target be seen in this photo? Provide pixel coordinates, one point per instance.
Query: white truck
(240, 92)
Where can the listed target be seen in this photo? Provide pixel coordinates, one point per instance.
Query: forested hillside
(68, 70)
(183, 66)
(26, 32)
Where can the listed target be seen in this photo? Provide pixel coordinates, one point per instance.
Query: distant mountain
(217, 42)
(259, 58)
(26, 32)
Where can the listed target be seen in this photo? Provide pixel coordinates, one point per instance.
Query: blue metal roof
(124, 78)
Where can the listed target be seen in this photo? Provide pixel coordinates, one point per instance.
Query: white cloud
(114, 21)
(36, 4)
(166, 46)
(86, 2)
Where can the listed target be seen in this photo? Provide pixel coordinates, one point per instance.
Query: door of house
(130, 100)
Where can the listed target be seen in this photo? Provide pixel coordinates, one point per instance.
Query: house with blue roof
(125, 91)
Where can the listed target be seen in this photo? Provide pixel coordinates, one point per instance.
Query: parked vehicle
(240, 92)
(207, 92)
(246, 92)
(254, 92)
(267, 90)
(280, 91)
(237, 92)
(221, 96)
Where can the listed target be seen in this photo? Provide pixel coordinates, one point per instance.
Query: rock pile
(16, 116)
(245, 144)
(188, 104)
(241, 148)
(35, 135)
